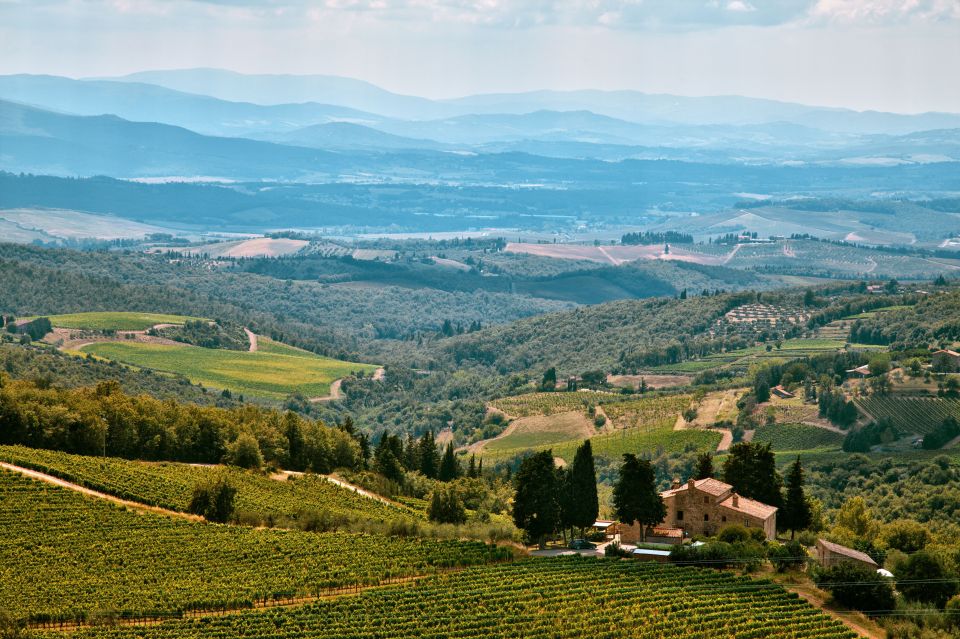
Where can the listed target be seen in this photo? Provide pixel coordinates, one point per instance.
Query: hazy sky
(897, 55)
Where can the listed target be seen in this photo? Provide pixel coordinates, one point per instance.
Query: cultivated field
(282, 499)
(797, 437)
(561, 598)
(256, 247)
(116, 321)
(264, 373)
(911, 415)
(70, 557)
(614, 254)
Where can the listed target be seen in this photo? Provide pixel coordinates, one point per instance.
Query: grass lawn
(118, 321)
(267, 374)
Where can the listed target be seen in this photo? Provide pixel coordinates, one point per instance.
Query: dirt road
(253, 339)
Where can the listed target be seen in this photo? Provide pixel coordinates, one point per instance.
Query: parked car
(582, 544)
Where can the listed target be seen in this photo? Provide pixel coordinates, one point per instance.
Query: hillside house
(830, 554)
(782, 392)
(859, 371)
(703, 507)
(945, 361)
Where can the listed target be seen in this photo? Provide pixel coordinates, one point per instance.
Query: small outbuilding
(830, 554)
(782, 392)
(945, 361)
(608, 528)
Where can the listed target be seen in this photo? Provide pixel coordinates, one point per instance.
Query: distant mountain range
(632, 106)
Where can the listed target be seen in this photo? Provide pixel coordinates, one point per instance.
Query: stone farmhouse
(946, 361)
(704, 507)
(830, 554)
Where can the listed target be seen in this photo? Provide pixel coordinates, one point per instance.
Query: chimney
(691, 483)
(736, 500)
(676, 483)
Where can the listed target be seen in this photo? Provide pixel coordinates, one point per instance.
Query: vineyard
(613, 445)
(69, 557)
(647, 414)
(556, 598)
(531, 404)
(260, 498)
(911, 415)
(790, 437)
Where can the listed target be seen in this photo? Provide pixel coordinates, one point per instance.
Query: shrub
(952, 608)
(857, 587)
(214, 499)
(789, 556)
(923, 578)
(734, 533)
(244, 452)
(446, 507)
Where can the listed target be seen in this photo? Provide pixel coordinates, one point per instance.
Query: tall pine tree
(429, 460)
(704, 466)
(752, 471)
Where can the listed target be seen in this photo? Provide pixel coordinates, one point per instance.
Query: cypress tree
(583, 488)
(796, 513)
(635, 495)
(449, 466)
(428, 455)
(704, 466)
(536, 508)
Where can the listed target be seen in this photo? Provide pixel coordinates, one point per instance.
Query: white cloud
(885, 11)
(739, 5)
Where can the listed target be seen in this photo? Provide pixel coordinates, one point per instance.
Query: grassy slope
(267, 374)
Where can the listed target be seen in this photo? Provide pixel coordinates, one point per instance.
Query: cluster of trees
(550, 499)
(941, 434)
(932, 320)
(653, 237)
(34, 329)
(103, 420)
(833, 404)
(217, 334)
(861, 440)
(395, 456)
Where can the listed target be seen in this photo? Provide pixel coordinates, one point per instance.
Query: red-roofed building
(830, 554)
(704, 506)
(945, 361)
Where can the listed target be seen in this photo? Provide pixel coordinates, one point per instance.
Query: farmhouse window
(706, 500)
(679, 515)
(723, 518)
(706, 517)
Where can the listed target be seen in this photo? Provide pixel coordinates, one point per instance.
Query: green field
(65, 556)
(613, 445)
(169, 485)
(560, 598)
(267, 374)
(119, 321)
(790, 437)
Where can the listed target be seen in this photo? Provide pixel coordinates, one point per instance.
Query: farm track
(62, 483)
(252, 337)
(335, 392)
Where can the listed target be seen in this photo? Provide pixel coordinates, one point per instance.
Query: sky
(889, 55)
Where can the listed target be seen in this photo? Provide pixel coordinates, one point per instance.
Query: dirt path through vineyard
(62, 483)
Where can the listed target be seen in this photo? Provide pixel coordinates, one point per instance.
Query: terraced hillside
(68, 557)
(558, 598)
(282, 500)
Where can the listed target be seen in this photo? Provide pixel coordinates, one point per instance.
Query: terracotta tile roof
(710, 486)
(947, 352)
(847, 552)
(749, 507)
